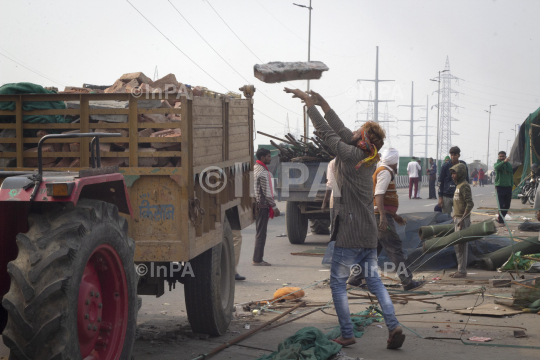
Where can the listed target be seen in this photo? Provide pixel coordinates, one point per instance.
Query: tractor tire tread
(37, 302)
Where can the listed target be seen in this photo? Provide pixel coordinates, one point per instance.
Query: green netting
(360, 321)
(308, 343)
(29, 88)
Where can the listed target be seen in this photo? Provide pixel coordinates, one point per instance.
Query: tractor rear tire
(320, 226)
(209, 293)
(73, 286)
(297, 223)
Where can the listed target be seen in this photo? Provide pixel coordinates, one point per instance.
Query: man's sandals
(458, 275)
(345, 342)
(395, 338)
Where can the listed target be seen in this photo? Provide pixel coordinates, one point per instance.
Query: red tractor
(73, 269)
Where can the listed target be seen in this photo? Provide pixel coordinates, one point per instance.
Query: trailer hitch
(95, 155)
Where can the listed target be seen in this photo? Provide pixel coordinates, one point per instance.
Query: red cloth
(270, 210)
(481, 174)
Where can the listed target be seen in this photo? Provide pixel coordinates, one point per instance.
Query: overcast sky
(493, 46)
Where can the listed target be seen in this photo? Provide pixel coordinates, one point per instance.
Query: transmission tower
(386, 124)
(446, 105)
(426, 143)
(369, 114)
(412, 121)
(375, 102)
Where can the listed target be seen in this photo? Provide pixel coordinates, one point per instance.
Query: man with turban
(386, 204)
(355, 226)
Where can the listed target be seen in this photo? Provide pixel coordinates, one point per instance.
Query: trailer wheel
(209, 293)
(73, 286)
(320, 226)
(297, 224)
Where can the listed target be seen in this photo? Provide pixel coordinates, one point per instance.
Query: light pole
(507, 141)
(308, 59)
(438, 112)
(489, 130)
(499, 142)
(515, 130)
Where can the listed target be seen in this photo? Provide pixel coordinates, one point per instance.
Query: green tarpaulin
(28, 88)
(310, 343)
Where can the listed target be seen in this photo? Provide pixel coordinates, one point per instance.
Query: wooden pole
(248, 334)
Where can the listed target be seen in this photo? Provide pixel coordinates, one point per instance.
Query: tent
(525, 152)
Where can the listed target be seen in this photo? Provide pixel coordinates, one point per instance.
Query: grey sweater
(354, 208)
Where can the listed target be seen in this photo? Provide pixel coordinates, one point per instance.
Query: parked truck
(303, 186)
(80, 244)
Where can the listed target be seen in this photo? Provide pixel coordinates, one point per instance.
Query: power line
(517, 92)
(177, 48)
(189, 57)
(247, 47)
(298, 36)
(226, 62)
(35, 72)
(485, 92)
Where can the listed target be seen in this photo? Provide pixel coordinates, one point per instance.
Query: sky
(492, 47)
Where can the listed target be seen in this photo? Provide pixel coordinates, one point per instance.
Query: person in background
(446, 159)
(504, 180)
(355, 228)
(447, 187)
(463, 205)
(536, 206)
(264, 194)
(237, 241)
(329, 194)
(413, 170)
(419, 180)
(386, 203)
(481, 177)
(432, 172)
(474, 176)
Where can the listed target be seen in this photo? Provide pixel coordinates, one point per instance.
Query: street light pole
(499, 142)
(308, 59)
(489, 131)
(507, 141)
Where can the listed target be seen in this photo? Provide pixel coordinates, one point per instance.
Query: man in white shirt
(413, 170)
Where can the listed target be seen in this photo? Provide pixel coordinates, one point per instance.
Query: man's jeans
(342, 261)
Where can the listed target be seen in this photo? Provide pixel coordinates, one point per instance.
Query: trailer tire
(209, 293)
(320, 226)
(297, 223)
(74, 267)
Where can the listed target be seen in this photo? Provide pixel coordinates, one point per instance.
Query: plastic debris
(480, 339)
(247, 326)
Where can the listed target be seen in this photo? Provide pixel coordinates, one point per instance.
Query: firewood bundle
(293, 150)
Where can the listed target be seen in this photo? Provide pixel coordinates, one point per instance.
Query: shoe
(345, 342)
(414, 285)
(395, 338)
(262, 263)
(458, 275)
(239, 277)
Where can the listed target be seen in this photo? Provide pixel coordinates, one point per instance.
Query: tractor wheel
(297, 224)
(209, 293)
(320, 226)
(73, 286)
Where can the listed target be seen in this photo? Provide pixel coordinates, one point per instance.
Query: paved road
(168, 312)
